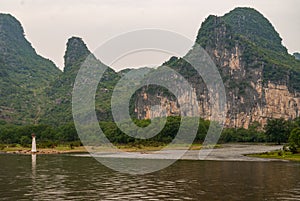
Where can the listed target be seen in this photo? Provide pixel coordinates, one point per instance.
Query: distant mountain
(23, 74)
(59, 110)
(261, 79)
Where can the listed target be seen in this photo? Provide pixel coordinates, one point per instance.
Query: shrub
(293, 148)
(25, 141)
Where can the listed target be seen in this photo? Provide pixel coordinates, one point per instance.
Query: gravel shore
(227, 152)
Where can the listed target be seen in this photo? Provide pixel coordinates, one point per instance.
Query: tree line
(276, 130)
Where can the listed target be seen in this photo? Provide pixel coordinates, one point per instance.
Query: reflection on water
(33, 163)
(64, 177)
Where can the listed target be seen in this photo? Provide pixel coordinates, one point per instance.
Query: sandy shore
(228, 152)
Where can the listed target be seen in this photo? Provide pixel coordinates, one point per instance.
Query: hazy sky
(49, 23)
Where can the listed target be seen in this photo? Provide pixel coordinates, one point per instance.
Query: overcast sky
(49, 23)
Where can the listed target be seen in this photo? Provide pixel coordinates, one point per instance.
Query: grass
(282, 155)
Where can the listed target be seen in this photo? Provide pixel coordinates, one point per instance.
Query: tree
(277, 130)
(295, 137)
(25, 141)
(68, 133)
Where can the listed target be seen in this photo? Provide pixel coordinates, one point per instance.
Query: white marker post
(33, 147)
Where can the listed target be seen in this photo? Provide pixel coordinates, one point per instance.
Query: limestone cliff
(261, 79)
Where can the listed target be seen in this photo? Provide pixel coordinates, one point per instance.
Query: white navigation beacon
(33, 147)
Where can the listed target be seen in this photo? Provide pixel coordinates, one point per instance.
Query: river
(69, 177)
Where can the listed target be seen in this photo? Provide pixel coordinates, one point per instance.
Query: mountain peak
(9, 24)
(76, 52)
(19, 59)
(12, 36)
(256, 27)
(247, 23)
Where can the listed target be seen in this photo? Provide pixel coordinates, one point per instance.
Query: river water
(69, 177)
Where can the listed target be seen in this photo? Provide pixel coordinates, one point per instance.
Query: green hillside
(36, 94)
(59, 93)
(23, 75)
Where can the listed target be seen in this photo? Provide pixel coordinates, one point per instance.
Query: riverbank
(224, 152)
(81, 149)
(56, 150)
(278, 154)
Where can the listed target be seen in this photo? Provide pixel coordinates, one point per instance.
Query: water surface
(67, 177)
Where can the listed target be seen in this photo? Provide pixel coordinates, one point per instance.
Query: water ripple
(64, 177)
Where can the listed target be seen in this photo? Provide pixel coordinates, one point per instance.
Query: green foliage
(293, 148)
(255, 27)
(23, 74)
(278, 130)
(294, 140)
(33, 91)
(242, 135)
(46, 135)
(59, 92)
(67, 133)
(258, 41)
(25, 141)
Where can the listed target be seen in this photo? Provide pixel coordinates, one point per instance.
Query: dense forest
(276, 131)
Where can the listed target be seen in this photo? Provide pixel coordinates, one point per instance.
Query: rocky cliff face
(297, 55)
(259, 76)
(261, 79)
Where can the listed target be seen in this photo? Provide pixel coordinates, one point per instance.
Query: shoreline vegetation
(64, 149)
(61, 149)
(279, 154)
(64, 138)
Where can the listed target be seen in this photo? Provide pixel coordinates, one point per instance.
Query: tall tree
(277, 130)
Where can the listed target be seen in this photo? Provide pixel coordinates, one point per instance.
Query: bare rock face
(297, 55)
(259, 76)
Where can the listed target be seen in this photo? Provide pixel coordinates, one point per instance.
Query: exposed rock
(257, 87)
(297, 55)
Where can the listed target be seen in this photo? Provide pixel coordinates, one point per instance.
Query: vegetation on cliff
(260, 78)
(259, 41)
(36, 97)
(23, 74)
